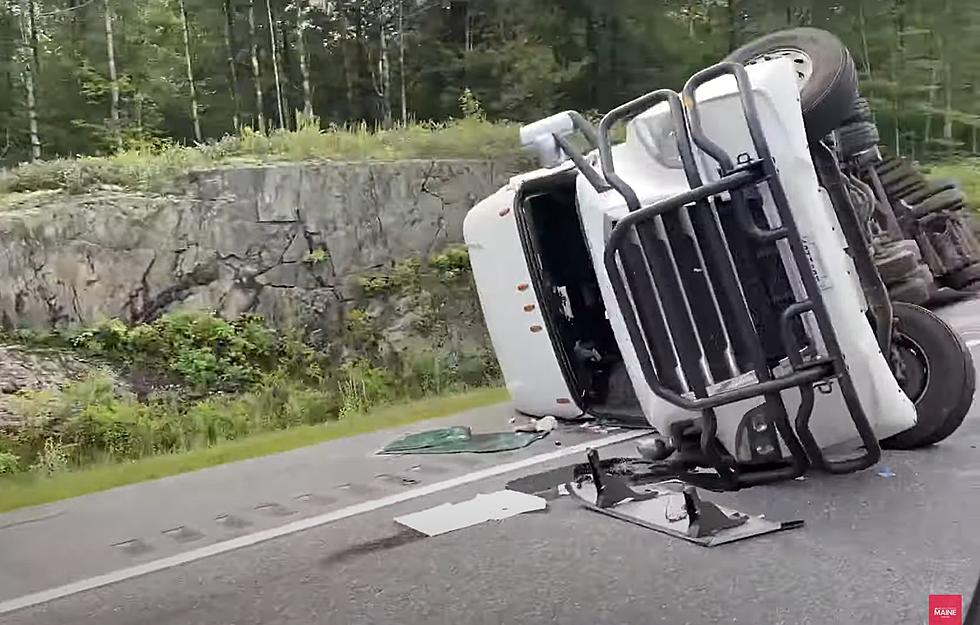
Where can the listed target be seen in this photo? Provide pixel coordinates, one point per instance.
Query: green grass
(154, 166)
(965, 171)
(29, 490)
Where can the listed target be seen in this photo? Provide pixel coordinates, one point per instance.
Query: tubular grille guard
(646, 279)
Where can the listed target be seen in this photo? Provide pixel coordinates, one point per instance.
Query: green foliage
(53, 458)
(316, 257)
(9, 463)
(203, 350)
(518, 59)
(966, 172)
(154, 165)
(404, 276)
(470, 105)
(452, 263)
(234, 379)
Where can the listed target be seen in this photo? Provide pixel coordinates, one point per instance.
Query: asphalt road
(875, 545)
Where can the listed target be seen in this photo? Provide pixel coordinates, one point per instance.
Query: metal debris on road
(450, 517)
(544, 424)
(670, 507)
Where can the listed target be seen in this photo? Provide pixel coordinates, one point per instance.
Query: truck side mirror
(539, 137)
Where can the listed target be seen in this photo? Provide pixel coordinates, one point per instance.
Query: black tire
(907, 188)
(929, 191)
(827, 98)
(888, 163)
(964, 277)
(897, 264)
(860, 112)
(899, 174)
(950, 199)
(916, 291)
(943, 386)
(857, 137)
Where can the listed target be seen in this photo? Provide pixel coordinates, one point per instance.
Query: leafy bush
(53, 458)
(404, 276)
(9, 463)
(452, 263)
(246, 377)
(204, 351)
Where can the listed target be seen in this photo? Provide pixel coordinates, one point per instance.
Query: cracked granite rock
(283, 241)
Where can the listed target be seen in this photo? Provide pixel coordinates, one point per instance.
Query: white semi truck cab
(710, 276)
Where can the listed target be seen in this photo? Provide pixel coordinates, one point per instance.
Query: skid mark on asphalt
(405, 537)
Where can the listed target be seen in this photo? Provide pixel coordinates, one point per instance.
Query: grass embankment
(965, 171)
(34, 489)
(153, 166)
(191, 389)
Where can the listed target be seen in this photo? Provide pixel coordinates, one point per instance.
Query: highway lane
(876, 544)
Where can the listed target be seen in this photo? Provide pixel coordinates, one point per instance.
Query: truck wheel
(964, 277)
(916, 290)
(827, 78)
(935, 369)
(857, 137)
(860, 112)
(931, 190)
(950, 199)
(896, 262)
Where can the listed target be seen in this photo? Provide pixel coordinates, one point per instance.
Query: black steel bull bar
(648, 321)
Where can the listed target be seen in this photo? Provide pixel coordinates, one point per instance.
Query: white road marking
(248, 540)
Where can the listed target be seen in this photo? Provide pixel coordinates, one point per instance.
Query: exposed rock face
(282, 241)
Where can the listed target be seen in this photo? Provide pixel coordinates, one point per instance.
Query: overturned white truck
(713, 275)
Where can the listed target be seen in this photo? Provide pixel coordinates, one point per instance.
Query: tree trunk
(275, 63)
(897, 72)
(304, 67)
(256, 70)
(931, 102)
(113, 77)
(28, 27)
(948, 117)
(401, 59)
(32, 23)
(286, 67)
(232, 69)
(384, 71)
(862, 24)
(190, 71)
(348, 66)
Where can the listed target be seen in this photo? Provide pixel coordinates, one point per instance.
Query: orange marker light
(529, 308)
(536, 329)
(523, 287)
